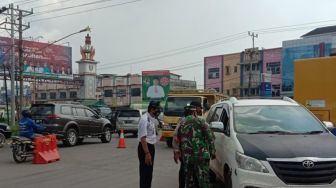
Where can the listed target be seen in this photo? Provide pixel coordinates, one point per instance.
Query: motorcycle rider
(28, 127)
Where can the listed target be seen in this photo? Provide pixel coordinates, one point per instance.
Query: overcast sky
(176, 34)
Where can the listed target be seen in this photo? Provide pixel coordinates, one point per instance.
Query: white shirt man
(155, 92)
(147, 128)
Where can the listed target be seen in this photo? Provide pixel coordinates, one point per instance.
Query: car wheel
(107, 135)
(71, 137)
(2, 140)
(227, 179)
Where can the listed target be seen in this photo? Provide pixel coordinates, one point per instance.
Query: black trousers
(146, 172)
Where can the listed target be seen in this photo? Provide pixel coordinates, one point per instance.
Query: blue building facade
(290, 54)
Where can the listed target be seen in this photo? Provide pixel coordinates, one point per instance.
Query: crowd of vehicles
(271, 143)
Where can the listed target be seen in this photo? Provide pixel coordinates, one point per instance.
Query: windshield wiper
(272, 132)
(313, 132)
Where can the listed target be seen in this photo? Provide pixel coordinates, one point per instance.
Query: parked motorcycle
(22, 148)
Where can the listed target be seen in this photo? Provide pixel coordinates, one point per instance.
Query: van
(271, 143)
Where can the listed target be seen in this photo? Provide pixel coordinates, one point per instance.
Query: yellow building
(315, 86)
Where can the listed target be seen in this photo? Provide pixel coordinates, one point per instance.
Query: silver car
(128, 120)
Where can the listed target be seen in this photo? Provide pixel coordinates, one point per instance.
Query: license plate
(128, 121)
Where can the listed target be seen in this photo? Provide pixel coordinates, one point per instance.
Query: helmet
(26, 113)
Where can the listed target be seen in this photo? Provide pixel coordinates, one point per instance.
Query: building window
(228, 92)
(73, 94)
(253, 67)
(53, 95)
(247, 67)
(274, 67)
(108, 93)
(43, 96)
(121, 92)
(227, 70)
(136, 92)
(234, 91)
(213, 73)
(235, 69)
(62, 95)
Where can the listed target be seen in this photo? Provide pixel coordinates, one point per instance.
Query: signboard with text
(41, 60)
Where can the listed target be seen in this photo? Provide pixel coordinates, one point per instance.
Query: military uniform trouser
(196, 174)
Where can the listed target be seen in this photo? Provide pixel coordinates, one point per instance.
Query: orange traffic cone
(122, 143)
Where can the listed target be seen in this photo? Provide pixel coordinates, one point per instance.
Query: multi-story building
(114, 90)
(319, 42)
(251, 67)
(213, 73)
(231, 73)
(272, 67)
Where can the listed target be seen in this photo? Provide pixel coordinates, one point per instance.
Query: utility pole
(12, 67)
(15, 27)
(251, 55)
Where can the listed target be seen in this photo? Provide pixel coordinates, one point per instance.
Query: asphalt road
(91, 164)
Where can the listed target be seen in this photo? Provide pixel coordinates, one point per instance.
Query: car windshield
(175, 105)
(105, 111)
(129, 113)
(275, 120)
(42, 110)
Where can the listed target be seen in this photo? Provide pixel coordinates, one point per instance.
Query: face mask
(157, 113)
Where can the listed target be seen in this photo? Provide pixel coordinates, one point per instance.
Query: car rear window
(42, 110)
(129, 113)
(66, 110)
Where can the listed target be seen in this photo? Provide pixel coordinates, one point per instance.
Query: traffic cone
(122, 143)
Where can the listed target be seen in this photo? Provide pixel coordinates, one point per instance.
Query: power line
(69, 7)
(85, 11)
(262, 31)
(50, 4)
(172, 54)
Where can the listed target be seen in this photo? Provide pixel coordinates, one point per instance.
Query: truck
(314, 86)
(177, 100)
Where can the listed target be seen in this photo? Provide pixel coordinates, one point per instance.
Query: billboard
(41, 60)
(155, 85)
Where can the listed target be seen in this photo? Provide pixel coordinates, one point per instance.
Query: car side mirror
(329, 125)
(217, 126)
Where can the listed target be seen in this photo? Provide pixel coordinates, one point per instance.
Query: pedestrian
(196, 143)
(176, 146)
(147, 139)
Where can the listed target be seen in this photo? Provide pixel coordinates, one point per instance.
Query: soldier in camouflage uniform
(196, 142)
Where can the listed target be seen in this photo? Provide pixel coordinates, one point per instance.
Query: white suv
(271, 143)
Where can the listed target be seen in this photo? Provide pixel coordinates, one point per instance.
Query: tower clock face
(91, 68)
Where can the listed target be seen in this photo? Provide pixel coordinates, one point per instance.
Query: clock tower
(87, 71)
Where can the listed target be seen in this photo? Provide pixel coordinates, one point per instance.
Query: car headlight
(249, 163)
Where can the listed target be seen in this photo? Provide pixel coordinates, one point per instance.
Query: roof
(263, 102)
(320, 31)
(93, 103)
